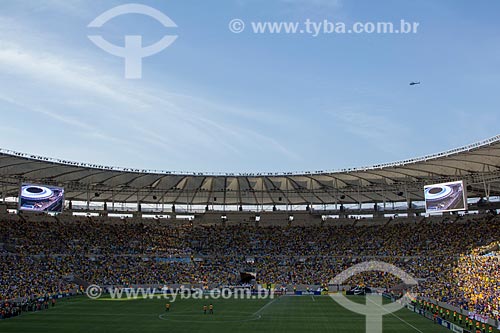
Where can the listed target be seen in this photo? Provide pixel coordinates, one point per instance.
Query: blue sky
(219, 101)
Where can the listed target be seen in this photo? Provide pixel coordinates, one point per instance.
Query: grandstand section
(296, 233)
(454, 258)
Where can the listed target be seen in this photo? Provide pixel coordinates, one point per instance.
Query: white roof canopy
(478, 164)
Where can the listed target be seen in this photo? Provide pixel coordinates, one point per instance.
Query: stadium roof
(478, 164)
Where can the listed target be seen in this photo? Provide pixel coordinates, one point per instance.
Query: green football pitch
(284, 314)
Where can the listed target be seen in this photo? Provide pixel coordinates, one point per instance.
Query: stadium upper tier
(478, 164)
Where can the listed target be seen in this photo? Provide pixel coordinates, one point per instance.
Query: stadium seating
(456, 260)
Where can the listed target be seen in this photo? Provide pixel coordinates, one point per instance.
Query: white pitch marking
(264, 307)
(394, 315)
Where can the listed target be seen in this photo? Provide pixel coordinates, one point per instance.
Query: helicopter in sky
(414, 83)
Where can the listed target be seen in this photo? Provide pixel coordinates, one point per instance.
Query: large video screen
(41, 198)
(445, 197)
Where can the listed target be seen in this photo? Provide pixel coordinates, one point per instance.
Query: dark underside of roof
(478, 165)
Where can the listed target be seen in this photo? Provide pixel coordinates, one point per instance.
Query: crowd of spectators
(455, 260)
(9, 309)
(478, 280)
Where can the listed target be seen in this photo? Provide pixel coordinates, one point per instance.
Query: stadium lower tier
(455, 261)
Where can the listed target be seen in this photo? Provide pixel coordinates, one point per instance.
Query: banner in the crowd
(478, 317)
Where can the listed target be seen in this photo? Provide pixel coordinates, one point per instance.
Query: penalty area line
(396, 316)
(264, 307)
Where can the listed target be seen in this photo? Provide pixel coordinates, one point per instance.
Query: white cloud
(374, 127)
(54, 70)
(79, 96)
